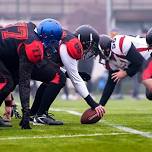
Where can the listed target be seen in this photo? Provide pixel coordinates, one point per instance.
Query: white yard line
(122, 128)
(61, 136)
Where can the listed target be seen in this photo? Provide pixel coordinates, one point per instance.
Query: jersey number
(21, 33)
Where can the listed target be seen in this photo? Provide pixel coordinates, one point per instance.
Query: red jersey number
(21, 33)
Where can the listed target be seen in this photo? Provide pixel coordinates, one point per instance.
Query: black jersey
(20, 49)
(12, 38)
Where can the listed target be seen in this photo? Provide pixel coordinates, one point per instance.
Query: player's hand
(117, 76)
(100, 110)
(25, 124)
(25, 120)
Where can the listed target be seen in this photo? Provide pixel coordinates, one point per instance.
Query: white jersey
(71, 66)
(121, 45)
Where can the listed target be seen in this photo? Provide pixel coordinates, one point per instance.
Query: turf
(74, 137)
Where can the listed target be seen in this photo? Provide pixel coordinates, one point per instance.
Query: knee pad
(148, 94)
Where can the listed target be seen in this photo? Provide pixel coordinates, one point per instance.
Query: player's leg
(8, 108)
(54, 79)
(37, 100)
(6, 86)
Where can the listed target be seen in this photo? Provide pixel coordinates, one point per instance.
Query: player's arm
(109, 87)
(70, 65)
(29, 54)
(136, 60)
(134, 57)
(25, 69)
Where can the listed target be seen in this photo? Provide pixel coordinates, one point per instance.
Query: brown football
(89, 117)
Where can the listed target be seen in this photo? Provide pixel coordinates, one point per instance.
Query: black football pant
(53, 80)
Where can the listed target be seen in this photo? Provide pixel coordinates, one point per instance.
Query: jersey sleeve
(25, 70)
(70, 65)
(74, 48)
(126, 45)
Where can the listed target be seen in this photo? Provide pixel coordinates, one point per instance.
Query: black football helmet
(89, 39)
(149, 37)
(105, 47)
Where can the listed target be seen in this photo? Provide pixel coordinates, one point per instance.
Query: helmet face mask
(92, 51)
(105, 47)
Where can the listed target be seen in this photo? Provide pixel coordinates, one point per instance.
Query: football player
(83, 43)
(21, 47)
(123, 56)
(147, 68)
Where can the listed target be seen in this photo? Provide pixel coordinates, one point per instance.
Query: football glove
(25, 120)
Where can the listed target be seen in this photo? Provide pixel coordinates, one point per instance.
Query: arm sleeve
(107, 92)
(25, 69)
(136, 61)
(70, 65)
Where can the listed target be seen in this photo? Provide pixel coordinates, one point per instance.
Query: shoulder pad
(74, 48)
(34, 51)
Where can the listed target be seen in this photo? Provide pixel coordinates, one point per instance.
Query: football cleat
(45, 119)
(4, 124)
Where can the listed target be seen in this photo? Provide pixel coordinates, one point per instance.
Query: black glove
(85, 76)
(25, 122)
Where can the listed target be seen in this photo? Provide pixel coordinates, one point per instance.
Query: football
(89, 117)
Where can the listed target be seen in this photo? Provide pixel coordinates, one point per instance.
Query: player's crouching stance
(73, 47)
(123, 56)
(23, 48)
(147, 68)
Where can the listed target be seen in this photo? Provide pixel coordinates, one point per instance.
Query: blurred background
(107, 16)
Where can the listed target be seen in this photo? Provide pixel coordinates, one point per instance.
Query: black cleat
(4, 124)
(45, 119)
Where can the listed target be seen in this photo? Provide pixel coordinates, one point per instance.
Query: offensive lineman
(20, 49)
(124, 56)
(83, 43)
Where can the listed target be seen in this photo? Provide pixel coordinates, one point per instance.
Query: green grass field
(126, 127)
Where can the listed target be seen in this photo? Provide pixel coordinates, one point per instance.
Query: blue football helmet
(50, 32)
